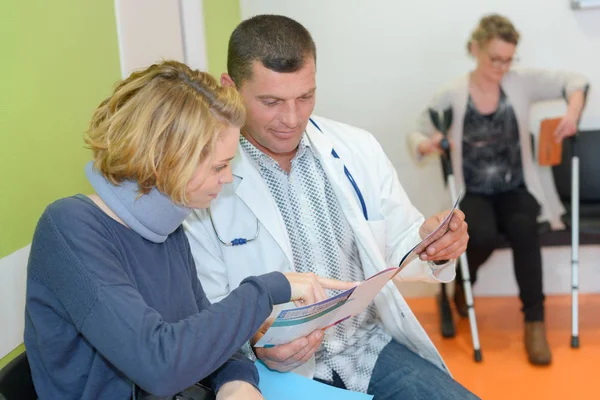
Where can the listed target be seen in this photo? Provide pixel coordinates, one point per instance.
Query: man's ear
(226, 80)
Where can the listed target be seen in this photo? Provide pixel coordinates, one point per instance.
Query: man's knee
(401, 373)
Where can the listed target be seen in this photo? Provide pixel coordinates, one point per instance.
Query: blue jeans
(401, 374)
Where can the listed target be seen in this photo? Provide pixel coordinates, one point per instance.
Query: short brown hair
(279, 43)
(159, 125)
(493, 26)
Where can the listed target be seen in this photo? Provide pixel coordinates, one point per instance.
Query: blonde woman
(492, 158)
(113, 299)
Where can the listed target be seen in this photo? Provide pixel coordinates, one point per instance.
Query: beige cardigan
(522, 88)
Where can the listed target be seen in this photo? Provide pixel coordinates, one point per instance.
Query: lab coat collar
(254, 192)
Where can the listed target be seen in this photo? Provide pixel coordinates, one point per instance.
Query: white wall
(379, 62)
(152, 30)
(13, 270)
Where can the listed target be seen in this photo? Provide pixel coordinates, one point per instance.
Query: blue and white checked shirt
(323, 242)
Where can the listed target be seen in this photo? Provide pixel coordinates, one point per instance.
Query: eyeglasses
(499, 62)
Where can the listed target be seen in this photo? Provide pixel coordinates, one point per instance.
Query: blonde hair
(491, 27)
(159, 125)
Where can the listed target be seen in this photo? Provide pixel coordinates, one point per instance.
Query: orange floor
(505, 372)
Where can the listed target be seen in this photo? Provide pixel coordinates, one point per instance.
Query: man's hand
(287, 357)
(238, 390)
(307, 288)
(452, 244)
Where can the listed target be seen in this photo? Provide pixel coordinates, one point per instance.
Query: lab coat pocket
(378, 231)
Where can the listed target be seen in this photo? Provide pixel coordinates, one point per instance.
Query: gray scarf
(153, 216)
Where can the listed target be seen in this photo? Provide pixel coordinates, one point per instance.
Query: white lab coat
(392, 229)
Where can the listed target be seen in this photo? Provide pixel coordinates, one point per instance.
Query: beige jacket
(522, 88)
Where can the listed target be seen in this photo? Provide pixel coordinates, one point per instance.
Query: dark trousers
(513, 214)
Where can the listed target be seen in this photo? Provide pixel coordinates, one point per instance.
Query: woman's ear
(474, 48)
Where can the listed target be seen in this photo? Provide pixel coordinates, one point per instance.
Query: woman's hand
(432, 145)
(308, 288)
(566, 127)
(238, 390)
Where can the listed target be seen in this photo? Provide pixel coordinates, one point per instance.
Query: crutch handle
(445, 144)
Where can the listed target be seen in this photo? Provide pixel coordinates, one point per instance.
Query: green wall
(220, 19)
(59, 60)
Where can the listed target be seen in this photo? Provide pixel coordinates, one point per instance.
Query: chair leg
(446, 319)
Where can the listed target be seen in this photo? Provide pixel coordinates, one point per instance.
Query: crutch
(575, 231)
(574, 242)
(442, 122)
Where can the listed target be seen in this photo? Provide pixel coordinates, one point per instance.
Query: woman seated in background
(492, 157)
(113, 299)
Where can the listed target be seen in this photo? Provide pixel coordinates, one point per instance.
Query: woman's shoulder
(522, 75)
(71, 203)
(74, 218)
(446, 94)
(68, 228)
(71, 211)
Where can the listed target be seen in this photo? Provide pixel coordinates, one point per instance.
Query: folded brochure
(294, 323)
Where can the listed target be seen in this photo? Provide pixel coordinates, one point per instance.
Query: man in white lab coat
(314, 195)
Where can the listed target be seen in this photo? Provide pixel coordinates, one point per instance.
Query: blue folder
(290, 386)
